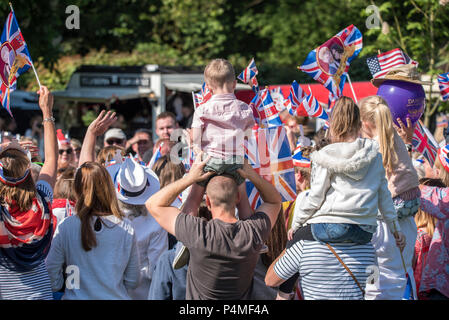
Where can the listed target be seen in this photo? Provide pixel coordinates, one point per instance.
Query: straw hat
(405, 72)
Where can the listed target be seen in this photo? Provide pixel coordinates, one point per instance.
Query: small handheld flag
(248, 75)
(424, 143)
(443, 82)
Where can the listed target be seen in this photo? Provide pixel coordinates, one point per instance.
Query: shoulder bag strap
(346, 267)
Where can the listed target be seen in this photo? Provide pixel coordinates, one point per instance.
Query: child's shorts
(227, 166)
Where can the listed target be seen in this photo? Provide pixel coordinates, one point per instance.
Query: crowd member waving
(26, 219)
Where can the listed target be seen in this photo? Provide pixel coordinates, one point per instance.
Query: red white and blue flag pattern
(15, 59)
(443, 82)
(329, 63)
(248, 75)
(380, 65)
(424, 143)
(156, 156)
(264, 110)
(201, 97)
(295, 98)
(268, 151)
(312, 108)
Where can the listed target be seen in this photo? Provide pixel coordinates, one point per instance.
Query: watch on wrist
(51, 119)
(409, 147)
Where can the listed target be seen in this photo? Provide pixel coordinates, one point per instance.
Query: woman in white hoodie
(348, 186)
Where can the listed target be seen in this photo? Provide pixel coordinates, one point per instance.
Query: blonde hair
(95, 194)
(422, 218)
(345, 120)
(374, 109)
(15, 163)
(168, 171)
(444, 173)
(219, 72)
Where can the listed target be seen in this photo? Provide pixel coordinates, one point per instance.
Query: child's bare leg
(243, 206)
(193, 201)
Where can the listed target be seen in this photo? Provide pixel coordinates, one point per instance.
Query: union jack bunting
(295, 98)
(443, 82)
(312, 108)
(424, 143)
(380, 65)
(268, 151)
(15, 59)
(329, 63)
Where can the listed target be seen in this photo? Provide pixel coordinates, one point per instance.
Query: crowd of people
(112, 217)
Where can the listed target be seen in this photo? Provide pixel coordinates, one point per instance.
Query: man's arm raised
(159, 204)
(270, 196)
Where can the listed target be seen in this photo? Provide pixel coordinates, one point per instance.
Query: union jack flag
(380, 65)
(201, 97)
(248, 75)
(268, 151)
(299, 160)
(264, 110)
(443, 82)
(329, 63)
(424, 143)
(249, 72)
(312, 108)
(331, 100)
(15, 59)
(295, 98)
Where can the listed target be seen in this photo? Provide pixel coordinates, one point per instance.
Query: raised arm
(270, 196)
(159, 204)
(97, 128)
(49, 169)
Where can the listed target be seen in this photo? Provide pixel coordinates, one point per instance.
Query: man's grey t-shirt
(223, 255)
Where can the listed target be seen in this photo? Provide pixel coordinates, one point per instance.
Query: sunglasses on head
(68, 151)
(114, 141)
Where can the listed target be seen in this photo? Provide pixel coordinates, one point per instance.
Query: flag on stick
(443, 82)
(15, 59)
(329, 63)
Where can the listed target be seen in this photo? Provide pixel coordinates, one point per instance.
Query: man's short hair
(218, 72)
(143, 130)
(166, 114)
(222, 191)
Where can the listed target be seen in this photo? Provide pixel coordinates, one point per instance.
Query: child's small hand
(400, 240)
(290, 233)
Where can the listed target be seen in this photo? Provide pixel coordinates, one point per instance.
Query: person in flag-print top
(26, 219)
(435, 201)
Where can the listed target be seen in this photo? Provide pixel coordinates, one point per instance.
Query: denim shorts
(340, 232)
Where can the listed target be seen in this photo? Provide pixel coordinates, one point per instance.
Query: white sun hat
(133, 182)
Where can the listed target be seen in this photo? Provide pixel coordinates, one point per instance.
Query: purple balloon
(405, 99)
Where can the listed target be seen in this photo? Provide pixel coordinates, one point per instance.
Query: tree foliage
(278, 33)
